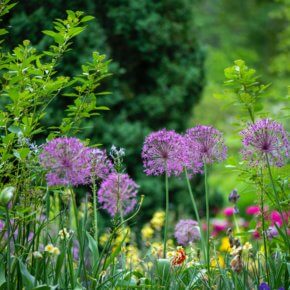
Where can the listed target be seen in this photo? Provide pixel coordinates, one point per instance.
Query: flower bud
(6, 195)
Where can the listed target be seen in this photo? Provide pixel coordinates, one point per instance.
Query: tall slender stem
(47, 210)
(166, 214)
(95, 216)
(207, 217)
(8, 248)
(195, 211)
(263, 226)
(82, 262)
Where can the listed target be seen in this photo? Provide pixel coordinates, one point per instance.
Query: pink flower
(253, 210)
(229, 211)
(256, 234)
(276, 218)
(219, 225)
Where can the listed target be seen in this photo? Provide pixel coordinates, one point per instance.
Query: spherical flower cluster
(207, 142)
(265, 138)
(67, 162)
(101, 165)
(187, 231)
(163, 152)
(117, 194)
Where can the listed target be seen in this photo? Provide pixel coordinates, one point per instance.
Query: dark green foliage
(156, 64)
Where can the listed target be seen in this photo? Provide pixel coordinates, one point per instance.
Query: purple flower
(272, 232)
(208, 142)
(234, 196)
(264, 286)
(67, 162)
(265, 138)
(187, 231)
(101, 165)
(192, 157)
(163, 152)
(117, 194)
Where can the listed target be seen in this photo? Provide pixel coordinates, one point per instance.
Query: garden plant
(54, 186)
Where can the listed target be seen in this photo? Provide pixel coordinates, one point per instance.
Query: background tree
(157, 65)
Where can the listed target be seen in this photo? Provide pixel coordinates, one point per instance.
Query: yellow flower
(52, 250)
(225, 245)
(158, 219)
(247, 246)
(156, 249)
(147, 232)
(55, 251)
(217, 262)
(64, 234)
(103, 239)
(49, 248)
(132, 255)
(121, 234)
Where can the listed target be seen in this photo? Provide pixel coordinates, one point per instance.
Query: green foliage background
(157, 67)
(163, 54)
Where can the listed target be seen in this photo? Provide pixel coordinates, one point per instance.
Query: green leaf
(93, 248)
(14, 129)
(87, 18)
(27, 279)
(2, 275)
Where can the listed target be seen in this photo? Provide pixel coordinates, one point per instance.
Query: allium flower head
(66, 160)
(163, 152)
(210, 143)
(117, 194)
(187, 231)
(101, 165)
(265, 137)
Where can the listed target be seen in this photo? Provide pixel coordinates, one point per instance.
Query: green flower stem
(236, 223)
(277, 200)
(96, 230)
(263, 229)
(80, 239)
(47, 210)
(196, 212)
(166, 214)
(8, 249)
(207, 218)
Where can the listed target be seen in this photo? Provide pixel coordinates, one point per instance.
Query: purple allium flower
(187, 231)
(101, 165)
(264, 286)
(163, 152)
(117, 194)
(234, 196)
(210, 143)
(67, 162)
(265, 137)
(192, 157)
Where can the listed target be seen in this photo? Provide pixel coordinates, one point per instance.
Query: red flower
(179, 257)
